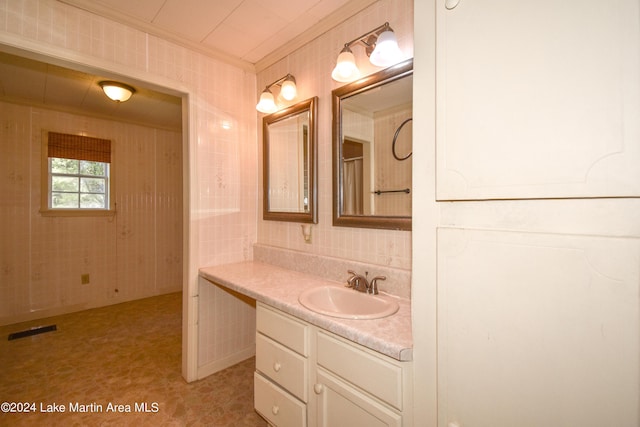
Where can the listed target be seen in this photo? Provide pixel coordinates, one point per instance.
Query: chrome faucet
(373, 288)
(360, 283)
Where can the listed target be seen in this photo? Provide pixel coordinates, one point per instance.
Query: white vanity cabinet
(359, 387)
(282, 368)
(306, 376)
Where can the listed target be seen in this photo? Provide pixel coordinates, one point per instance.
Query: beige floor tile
(125, 354)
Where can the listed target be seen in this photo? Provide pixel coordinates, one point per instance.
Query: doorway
(129, 242)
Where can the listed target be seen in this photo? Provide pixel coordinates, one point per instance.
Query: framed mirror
(290, 163)
(372, 146)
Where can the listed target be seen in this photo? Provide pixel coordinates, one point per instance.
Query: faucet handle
(374, 284)
(351, 281)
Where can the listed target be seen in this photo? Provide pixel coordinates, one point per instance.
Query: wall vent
(33, 331)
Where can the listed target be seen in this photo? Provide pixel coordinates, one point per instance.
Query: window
(78, 184)
(78, 172)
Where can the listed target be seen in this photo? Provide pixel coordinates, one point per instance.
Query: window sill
(77, 212)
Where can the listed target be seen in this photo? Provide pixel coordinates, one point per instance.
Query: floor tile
(127, 354)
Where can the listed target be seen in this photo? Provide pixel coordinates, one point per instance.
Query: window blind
(78, 147)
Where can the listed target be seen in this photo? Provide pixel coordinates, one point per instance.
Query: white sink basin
(347, 303)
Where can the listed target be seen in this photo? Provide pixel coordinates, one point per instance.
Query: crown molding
(321, 27)
(122, 18)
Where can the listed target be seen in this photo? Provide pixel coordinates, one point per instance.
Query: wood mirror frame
(378, 79)
(309, 212)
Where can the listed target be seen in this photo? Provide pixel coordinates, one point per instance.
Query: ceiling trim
(325, 24)
(346, 11)
(98, 9)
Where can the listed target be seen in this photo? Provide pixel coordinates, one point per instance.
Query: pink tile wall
(312, 65)
(231, 327)
(222, 146)
(14, 208)
(135, 254)
(225, 204)
(394, 174)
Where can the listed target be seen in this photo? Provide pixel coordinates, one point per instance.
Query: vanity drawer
(276, 405)
(283, 328)
(364, 369)
(282, 365)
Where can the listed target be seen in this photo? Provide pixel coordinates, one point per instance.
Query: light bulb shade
(387, 51)
(266, 104)
(288, 89)
(118, 92)
(346, 69)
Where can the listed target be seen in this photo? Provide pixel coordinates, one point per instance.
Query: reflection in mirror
(372, 146)
(289, 163)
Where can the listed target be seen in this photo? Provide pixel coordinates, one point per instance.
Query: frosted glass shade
(266, 104)
(288, 89)
(346, 69)
(387, 51)
(118, 92)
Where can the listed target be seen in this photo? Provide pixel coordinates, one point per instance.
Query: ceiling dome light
(386, 52)
(118, 92)
(288, 89)
(266, 104)
(346, 69)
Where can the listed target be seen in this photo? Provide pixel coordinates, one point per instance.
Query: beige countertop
(279, 288)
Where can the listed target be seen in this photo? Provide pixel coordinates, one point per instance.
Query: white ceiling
(26, 81)
(251, 34)
(237, 30)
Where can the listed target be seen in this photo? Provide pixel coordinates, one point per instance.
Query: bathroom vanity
(308, 376)
(316, 370)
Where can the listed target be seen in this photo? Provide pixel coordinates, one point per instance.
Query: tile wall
(395, 175)
(312, 65)
(222, 147)
(135, 254)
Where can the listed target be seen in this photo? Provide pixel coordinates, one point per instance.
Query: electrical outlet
(85, 279)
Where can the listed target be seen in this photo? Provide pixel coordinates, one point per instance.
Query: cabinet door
(361, 368)
(537, 99)
(538, 329)
(340, 404)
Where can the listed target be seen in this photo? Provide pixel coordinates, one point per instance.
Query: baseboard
(68, 309)
(218, 365)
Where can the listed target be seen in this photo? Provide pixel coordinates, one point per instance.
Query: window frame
(45, 188)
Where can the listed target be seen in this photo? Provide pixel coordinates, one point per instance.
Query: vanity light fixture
(288, 91)
(381, 47)
(118, 92)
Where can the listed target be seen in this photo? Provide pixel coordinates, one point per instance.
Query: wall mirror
(372, 146)
(290, 163)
